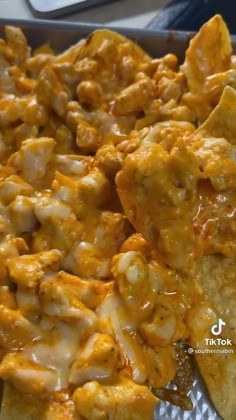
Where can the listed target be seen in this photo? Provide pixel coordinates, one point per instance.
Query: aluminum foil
(202, 406)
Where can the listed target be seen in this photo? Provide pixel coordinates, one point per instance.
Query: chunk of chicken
(90, 292)
(28, 270)
(33, 158)
(17, 42)
(97, 359)
(86, 68)
(109, 160)
(65, 190)
(148, 286)
(131, 273)
(140, 362)
(5, 225)
(27, 376)
(48, 209)
(89, 93)
(48, 354)
(15, 330)
(167, 133)
(13, 186)
(51, 92)
(73, 165)
(108, 231)
(94, 189)
(61, 301)
(216, 156)
(13, 109)
(171, 87)
(22, 216)
(7, 82)
(12, 246)
(87, 260)
(135, 97)
(122, 399)
(102, 234)
(25, 131)
(7, 296)
(34, 113)
(87, 137)
(59, 229)
(160, 357)
(136, 242)
(9, 111)
(35, 64)
(114, 320)
(215, 84)
(164, 328)
(28, 302)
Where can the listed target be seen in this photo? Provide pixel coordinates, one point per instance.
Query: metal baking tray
(61, 35)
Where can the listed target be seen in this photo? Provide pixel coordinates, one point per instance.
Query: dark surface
(189, 15)
(51, 10)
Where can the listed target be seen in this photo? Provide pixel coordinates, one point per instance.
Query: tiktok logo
(216, 329)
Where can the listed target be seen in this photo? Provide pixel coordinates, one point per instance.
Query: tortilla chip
(103, 43)
(209, 52)
(216, 275)
(222, 121)
(219, 374)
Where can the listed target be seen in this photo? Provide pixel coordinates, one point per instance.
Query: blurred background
(187, 15)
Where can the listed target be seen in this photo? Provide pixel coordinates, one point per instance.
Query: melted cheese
(94, 140)
(56, 353)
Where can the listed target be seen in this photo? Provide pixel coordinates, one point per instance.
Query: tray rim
(86, 26)
(156, 42)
